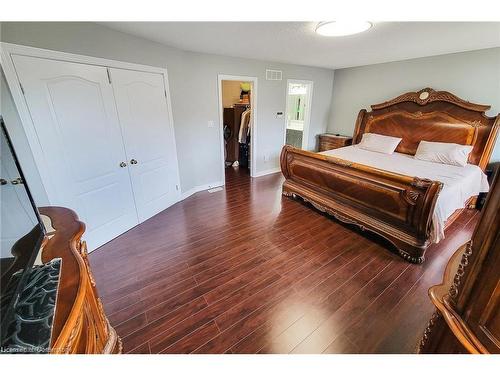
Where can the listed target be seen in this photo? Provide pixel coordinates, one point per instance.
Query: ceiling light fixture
(341, 28)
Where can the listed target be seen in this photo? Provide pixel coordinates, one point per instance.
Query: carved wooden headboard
(435, 116)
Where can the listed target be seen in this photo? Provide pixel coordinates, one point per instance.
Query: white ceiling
(297, 43)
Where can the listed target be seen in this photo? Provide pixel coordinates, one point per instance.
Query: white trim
(253, 128)
(199, 188)
(308, 106)
(19, 49)
(171, 120)
(6, 52)
(267, 171)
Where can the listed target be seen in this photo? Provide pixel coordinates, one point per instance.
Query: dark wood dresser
(467, 317)
(333, 141)
(80, 324)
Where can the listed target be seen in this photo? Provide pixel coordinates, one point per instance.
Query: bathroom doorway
(298, 112)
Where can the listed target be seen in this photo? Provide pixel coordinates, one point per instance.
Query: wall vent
(215, 189)
(274, 75)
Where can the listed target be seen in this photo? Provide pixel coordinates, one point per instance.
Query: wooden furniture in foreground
(80, 324)
(394, 206)
(333, 141)
(467, 317)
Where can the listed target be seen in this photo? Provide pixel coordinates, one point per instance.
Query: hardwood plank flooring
(245, 270)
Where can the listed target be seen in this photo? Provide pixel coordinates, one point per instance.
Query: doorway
(298, 112)
(237, 113)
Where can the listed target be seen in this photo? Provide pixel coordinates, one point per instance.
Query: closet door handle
(17, 181)
(133, 161)
(123, 164)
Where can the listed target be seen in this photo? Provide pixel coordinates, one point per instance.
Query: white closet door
(149, 139)
(75, 120)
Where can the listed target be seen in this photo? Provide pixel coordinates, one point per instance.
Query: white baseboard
(199, 188)
(267, 171)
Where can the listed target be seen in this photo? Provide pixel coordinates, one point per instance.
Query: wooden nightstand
(333, 141)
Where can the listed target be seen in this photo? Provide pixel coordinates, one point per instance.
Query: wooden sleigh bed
(396, 207)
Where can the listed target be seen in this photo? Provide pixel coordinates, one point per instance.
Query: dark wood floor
(246, 270)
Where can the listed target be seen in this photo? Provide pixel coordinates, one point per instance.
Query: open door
(298, 114)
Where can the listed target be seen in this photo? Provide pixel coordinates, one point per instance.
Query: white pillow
(444, 153)
(379, 143)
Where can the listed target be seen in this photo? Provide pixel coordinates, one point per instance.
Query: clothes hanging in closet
(245, 126)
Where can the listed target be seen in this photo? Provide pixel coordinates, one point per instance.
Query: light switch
(211, 124)
(279, 114)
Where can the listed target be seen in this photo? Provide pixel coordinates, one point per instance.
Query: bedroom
(362, 183)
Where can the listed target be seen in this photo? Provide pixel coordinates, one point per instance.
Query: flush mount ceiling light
(341, 28)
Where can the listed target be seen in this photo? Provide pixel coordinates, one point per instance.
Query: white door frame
(253, 128)
(307, 117)
(9, 49)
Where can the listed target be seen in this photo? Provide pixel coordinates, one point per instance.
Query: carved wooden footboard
(394, 206)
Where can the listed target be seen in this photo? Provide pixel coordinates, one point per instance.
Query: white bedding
(459, 183)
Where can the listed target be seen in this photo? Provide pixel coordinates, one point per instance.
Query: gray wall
(193, 84)
(193, 87)
(474, 76)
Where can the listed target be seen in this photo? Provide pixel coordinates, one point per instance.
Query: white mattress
(459, 183)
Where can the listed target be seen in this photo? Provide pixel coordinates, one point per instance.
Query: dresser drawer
(331, 142)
